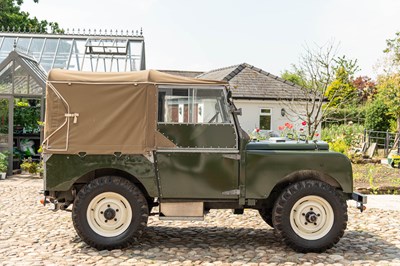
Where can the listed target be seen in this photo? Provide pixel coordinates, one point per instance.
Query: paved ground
(32, 235)
(384, 202)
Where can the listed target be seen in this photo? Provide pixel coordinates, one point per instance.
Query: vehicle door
(204, 162)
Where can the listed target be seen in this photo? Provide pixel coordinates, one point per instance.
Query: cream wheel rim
(109, 214)
(311, 217)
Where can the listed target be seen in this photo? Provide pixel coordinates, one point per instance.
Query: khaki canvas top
(106, 113)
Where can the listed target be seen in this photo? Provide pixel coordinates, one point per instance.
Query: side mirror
(237, 111)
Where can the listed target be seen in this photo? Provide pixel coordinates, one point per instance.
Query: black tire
(266, 215)
(105, 197)
(310, 216)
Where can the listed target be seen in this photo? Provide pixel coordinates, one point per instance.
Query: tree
(366, 88)
(341, 92)
(314, 73)
(389, 83)
(389, 90)
(377, 116)
(12, 18)
(295, 76)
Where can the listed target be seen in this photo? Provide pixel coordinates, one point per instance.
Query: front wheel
(110, 212)
(310, 216)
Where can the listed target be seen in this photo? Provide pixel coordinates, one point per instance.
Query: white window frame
(269, 113)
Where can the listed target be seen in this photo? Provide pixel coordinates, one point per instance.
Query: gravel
(32, 235)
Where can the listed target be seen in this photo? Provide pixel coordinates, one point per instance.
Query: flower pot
(3, 176)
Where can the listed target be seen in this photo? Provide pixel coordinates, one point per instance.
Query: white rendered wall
(250, 118)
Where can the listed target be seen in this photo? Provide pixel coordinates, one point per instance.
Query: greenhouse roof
(78, 50)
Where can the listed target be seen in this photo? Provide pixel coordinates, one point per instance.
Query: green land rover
(122, 146)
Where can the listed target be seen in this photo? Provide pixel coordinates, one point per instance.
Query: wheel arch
(297, 177)
(97, 173)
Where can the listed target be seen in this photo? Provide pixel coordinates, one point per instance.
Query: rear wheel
(266, 215)
(310, 216)
(110, 212)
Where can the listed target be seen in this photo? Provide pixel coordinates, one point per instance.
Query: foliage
(11, 16)
(349, 66)
(366, 88)
(343, 115)
(389, 90)
(3, 116)
(3, 162)
(26, 116)
(393, 48)
(296, 76)
(31, 167)
(341, 91)
(377, 116)
(342, 138)
(389, 84)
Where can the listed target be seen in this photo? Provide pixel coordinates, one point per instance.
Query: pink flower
(281, 128)
(304, 123)
(288, 125)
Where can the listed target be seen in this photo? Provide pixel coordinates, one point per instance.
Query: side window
(192, 105)
(265, 118)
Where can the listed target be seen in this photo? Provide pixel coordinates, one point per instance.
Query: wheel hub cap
(311, 217)
(109, 214)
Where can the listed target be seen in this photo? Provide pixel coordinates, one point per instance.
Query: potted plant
(3, 164)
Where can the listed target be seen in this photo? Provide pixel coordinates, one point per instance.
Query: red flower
(316, 134)
(288, 125)
(257, 129)
(304, 123)
(281, 128)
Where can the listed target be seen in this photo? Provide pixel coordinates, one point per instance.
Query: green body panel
(197, 175)
(265, 168)
(62, 171)
(200, 135)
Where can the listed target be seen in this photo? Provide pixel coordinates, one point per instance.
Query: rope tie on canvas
(74, 115)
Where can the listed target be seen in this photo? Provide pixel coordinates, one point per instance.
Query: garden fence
(383, 139)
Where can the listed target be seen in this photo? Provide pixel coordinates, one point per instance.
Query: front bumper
(360, 199)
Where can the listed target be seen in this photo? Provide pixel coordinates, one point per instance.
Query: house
(267, 101)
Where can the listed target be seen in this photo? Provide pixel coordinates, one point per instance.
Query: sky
(209, 34)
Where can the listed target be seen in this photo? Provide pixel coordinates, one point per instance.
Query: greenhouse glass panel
(35, 50)
(20, 80)
(23, 44)
(6, 79)
(34, 87)
(63, 53)
(46, 60)
(6, 48)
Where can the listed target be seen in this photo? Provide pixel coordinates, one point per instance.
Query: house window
(265, 118)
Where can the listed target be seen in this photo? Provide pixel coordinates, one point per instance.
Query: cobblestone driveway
(32, 235)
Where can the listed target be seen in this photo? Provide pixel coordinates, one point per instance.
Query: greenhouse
(26, 58)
